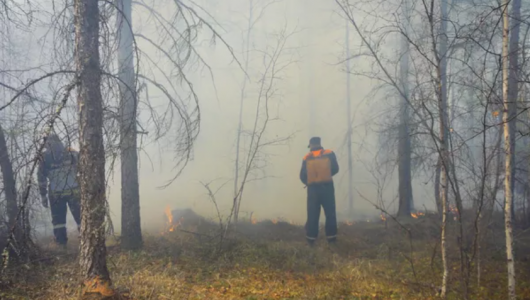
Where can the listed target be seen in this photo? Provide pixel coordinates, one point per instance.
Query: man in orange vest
(318, 168)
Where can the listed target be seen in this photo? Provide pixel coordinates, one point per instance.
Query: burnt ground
(270, 260)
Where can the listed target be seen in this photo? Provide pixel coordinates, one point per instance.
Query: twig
(37, 158)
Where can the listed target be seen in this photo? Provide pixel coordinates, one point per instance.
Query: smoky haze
(311, 101)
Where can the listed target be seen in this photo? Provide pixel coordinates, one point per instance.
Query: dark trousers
(321, 195)
(58, 203)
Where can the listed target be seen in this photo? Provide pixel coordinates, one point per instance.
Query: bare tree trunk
(8, 178)
(498, 171)
(509, 143)
(348, 118)
(17, 244)
(443, 198)
(404, 147)
(131, 237)
(513, 86)
(527, 219)
(92, 256)
(438, 172)
(444, 136)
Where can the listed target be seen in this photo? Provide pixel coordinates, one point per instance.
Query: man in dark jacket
(318, 168)
(57, 179)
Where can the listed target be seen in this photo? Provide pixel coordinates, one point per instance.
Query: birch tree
(429, 107)
(441, 81)
(509, 90)
(513, 85)
(91, 176)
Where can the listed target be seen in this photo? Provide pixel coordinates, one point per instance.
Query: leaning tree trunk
(404, 147)
(508, 119)
(93, 253)
(131, 237)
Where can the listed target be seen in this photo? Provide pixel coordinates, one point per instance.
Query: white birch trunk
(444, 132)
(509, 60)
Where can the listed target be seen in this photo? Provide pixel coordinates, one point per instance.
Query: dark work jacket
(316, 152)
(58, 171)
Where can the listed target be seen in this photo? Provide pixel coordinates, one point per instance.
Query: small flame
(169, 216)
(383, 217)
(417, 214)
(349, 223)
(274, 221)
(253, 220)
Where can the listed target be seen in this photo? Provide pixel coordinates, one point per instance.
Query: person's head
(314, 143)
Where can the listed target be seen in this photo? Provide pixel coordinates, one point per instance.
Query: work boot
(58, 248)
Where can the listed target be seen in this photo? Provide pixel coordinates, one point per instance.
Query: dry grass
(270, 261)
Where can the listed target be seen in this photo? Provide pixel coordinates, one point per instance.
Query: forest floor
(270, 260)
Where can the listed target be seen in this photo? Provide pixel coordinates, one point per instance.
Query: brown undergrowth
(270, 260)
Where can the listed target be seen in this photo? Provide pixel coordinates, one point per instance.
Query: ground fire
(171, 225)
(417, 214)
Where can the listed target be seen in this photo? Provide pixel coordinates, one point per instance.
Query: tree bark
(92, 256)
(404, 146)
(17, 245)
(444, 136)
(513, 76)
(509, 142)
(8, 178)
(131, 237)
(527, 218)
(437, 173)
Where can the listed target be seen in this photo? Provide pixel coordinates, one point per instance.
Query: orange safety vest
(318, 166)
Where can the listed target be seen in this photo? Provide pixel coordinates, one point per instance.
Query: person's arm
(42, 176)
(334, 164)
(303, 173)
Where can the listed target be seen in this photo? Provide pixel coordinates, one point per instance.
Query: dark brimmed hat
(314, 141)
